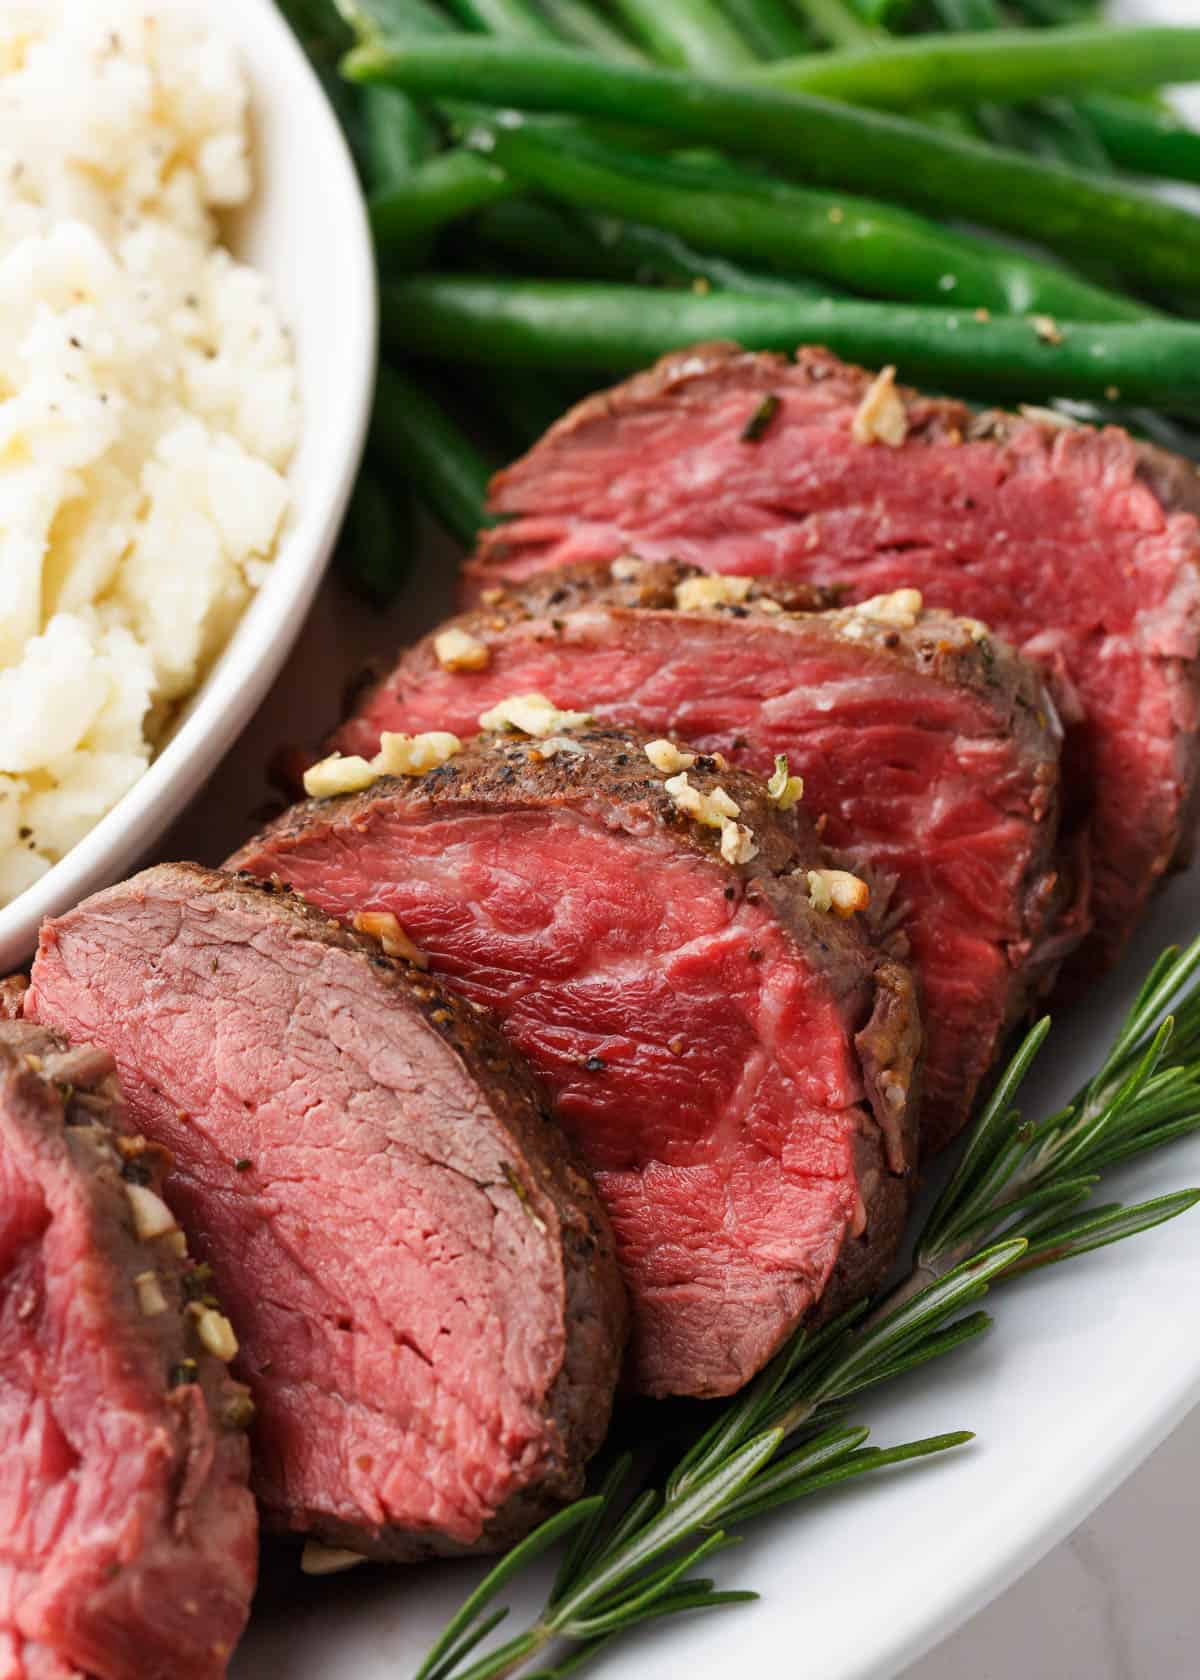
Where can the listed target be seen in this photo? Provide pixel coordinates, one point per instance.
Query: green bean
(831, 144)
(550, 241)
(413, 438)
(1144, 139)
(839, 23)
(1053, 128)
(396, 137)
(770, 27)
(844, 25)
(688, 34)
(857, 243)
(442, 190)
(1008, 65)
(1059, 13)
(378, 539)
(604, 328)
(513, 18)
(395, 17)
(576, 21)
(883, 14)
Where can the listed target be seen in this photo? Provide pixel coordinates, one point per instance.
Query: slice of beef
(1079, 546)
(734, 1063)
(929, 748)
(128, 1535)
(423, 1283)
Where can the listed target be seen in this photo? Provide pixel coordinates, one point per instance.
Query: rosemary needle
(1020, 1198)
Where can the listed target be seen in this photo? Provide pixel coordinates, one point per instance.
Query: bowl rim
(246, 667)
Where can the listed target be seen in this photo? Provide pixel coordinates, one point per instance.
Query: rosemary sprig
(1017, 1201)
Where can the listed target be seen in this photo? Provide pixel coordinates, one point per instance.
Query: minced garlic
(881, 416)
(711, 809)
(899, 611)
(837, 890)
(151, 1215)
(398, 755)
(413, 755)
(737, 843)
(714, 810)
(532, 714)
(457, 651)
(316, 1559)
(216, 1334)
(785, 790)
(1051, 417)
(383, 926)
(335, 774)
(716, 590)
(151, 1299)
(553, 745)
(666, 756)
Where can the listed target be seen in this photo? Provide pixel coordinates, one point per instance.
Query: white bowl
(307, 230)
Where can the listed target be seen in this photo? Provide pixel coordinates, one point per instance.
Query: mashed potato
(148, 403)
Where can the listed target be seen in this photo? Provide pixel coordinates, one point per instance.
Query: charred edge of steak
(607, 770)
(595, 1296)
(637, 585)
(75, 1093)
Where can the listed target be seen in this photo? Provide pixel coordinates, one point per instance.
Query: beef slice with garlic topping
(735, 1064)
(423, 1283)
(929, 752)
(128, 1535)
(1078, 545)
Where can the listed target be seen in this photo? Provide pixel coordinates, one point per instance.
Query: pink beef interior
(702, 1065)
(917, 777)
(400, 1318)
(1053, 538)
(129, 1547)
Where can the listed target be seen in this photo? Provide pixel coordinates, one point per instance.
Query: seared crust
(633, 585)
(556, 1187)
(606, 772)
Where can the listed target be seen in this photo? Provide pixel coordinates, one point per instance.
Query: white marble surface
(1119, 1600)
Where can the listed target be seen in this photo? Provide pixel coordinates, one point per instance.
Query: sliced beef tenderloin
(423, 1283)
(929, 749)
(734, 1062)
(128, 1535)
(1079, 546)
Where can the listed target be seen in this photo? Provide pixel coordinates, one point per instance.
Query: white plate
(307, 230)
(1088, 1369)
